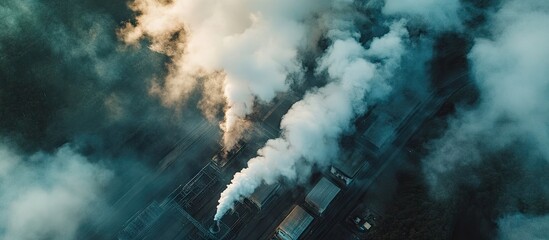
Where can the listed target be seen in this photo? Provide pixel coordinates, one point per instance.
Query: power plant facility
(274, 119)
(189, 208)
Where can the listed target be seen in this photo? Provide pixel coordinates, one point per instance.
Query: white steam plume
(519, 226)
(312, 127)
(510, 70)
(438, 14)
(48, 196)
(252, 43)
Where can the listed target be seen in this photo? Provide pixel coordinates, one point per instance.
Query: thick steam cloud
(510, 125)
(73, 99)
(437, 14)
(511, 71)
(72, 96)
(48, 195)
(312, 127)
(519, 226)
(238, 52)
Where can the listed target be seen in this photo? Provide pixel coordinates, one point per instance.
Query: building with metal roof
(294, 224)
(384, 122)
(263, 195)
(346, 169)
(381, 131)
(322, 195)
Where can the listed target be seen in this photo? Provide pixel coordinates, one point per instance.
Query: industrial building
(382, 125)
(188, 212)
(263, 195)
(221, 158)
(322, 195)
(294, 224)
(381, 130)
(346, 169)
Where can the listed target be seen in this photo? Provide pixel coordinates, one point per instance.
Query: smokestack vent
(214, 228)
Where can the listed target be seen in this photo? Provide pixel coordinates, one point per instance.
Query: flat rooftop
(322, 195)
(352, 164)
(294, 224)
(381, 130)
(263, 194)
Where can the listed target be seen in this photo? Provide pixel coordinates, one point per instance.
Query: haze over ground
(94, 93)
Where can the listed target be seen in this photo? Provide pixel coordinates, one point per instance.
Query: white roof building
(322, 195)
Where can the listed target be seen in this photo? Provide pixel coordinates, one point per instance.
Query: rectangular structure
(221, 158)
(347, 169)
(263, 194)
(381, 131)
(322, 195)
(294, 224)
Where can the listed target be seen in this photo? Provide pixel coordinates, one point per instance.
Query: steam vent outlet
(214, 228)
